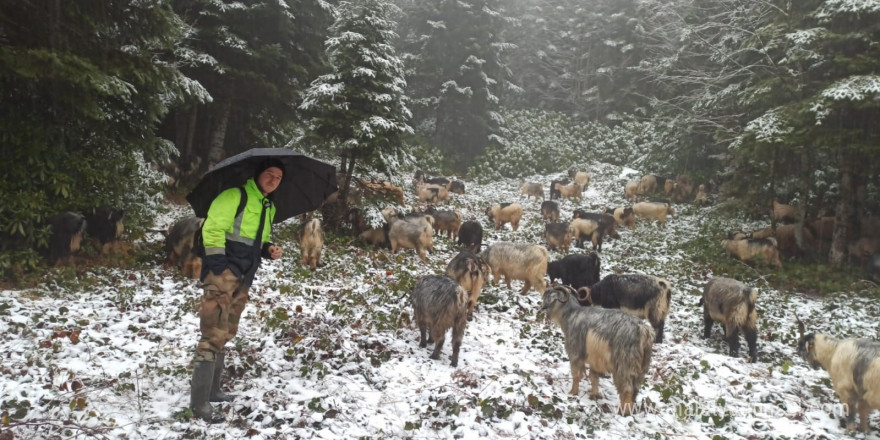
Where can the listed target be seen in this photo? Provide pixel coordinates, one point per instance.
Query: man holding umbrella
(236, 234)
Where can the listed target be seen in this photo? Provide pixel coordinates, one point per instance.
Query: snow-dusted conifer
(358, 109)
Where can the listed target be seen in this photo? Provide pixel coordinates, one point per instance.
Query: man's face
(270, 179)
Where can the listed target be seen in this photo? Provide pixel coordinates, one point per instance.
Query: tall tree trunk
(184, 133)
(349, 172)
(190, 133)
(336, 211)
(837, 255)
(806, 170)
(216, 150)
(860, 200)
(772, 180)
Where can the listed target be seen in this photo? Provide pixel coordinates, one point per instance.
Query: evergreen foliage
(579, 57)
(456, 74)
(255, 58)
(770, 98)
(544, 142)
(83, 91)
(358, 110)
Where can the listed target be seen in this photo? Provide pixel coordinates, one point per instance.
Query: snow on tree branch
(770, 127)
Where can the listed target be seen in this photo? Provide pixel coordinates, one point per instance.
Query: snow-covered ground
(332, 353)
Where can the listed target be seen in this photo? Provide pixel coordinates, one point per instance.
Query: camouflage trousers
(222, 305)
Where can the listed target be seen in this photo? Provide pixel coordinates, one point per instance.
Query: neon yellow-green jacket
(229, 239)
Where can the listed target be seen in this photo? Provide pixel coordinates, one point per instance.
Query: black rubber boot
(203, 375)
(219, 366)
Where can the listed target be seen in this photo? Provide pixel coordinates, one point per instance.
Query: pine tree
(358, 110)
(456, 75)
(255, 58)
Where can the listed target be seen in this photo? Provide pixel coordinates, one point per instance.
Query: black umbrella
(307, 182)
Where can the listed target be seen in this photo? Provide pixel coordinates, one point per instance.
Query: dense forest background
(110, 102)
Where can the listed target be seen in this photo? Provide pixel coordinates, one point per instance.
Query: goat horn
(583, 296)
(563, 298)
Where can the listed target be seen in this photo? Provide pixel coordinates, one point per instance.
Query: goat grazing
(550, 211)
(470, 234)
(558, 236)
(517, 261)
(502, 213)
(439, 303)
(731, 303)
(311, 243)
(575, 270)
(532, 190)
(654, 211)
(750, 249)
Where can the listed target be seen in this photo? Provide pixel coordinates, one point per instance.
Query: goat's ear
(809, 346)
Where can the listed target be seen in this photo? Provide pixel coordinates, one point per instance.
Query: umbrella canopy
(306, 184)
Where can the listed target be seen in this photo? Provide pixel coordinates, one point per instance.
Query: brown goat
(517, 261)
(632, 190)
(784, 213)
(571, 191)
(654, 211)
(608, 340)
(750, 249)
(505, 213)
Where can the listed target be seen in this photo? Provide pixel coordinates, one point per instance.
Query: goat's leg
(578, 370)
(594, 385)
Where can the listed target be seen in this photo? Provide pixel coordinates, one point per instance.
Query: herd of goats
(603, 319)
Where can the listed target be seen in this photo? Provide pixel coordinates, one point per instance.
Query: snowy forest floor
(106, 353)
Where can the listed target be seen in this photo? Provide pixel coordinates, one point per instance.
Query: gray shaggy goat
(854, 367)
(610, 341)
(440, 303)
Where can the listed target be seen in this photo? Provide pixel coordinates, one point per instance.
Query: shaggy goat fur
(439, 303)
(502, 213)
(731, 303)
(470, 272)
(179, 246)
(854, 367)
(610, 341)
(654, 211)
(763, 249)
(558, 236)
(535, 190)
(311, 243)
(575, 270)
(517, 261)
(640, 295)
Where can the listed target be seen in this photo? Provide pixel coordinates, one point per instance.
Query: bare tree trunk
(837, 255)
(860, 200)
(190, 133)
(180, 131)
(184, 133)
(348, 175)
(806, 170)
(336, 212)
(216, 150)
(773, 188)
